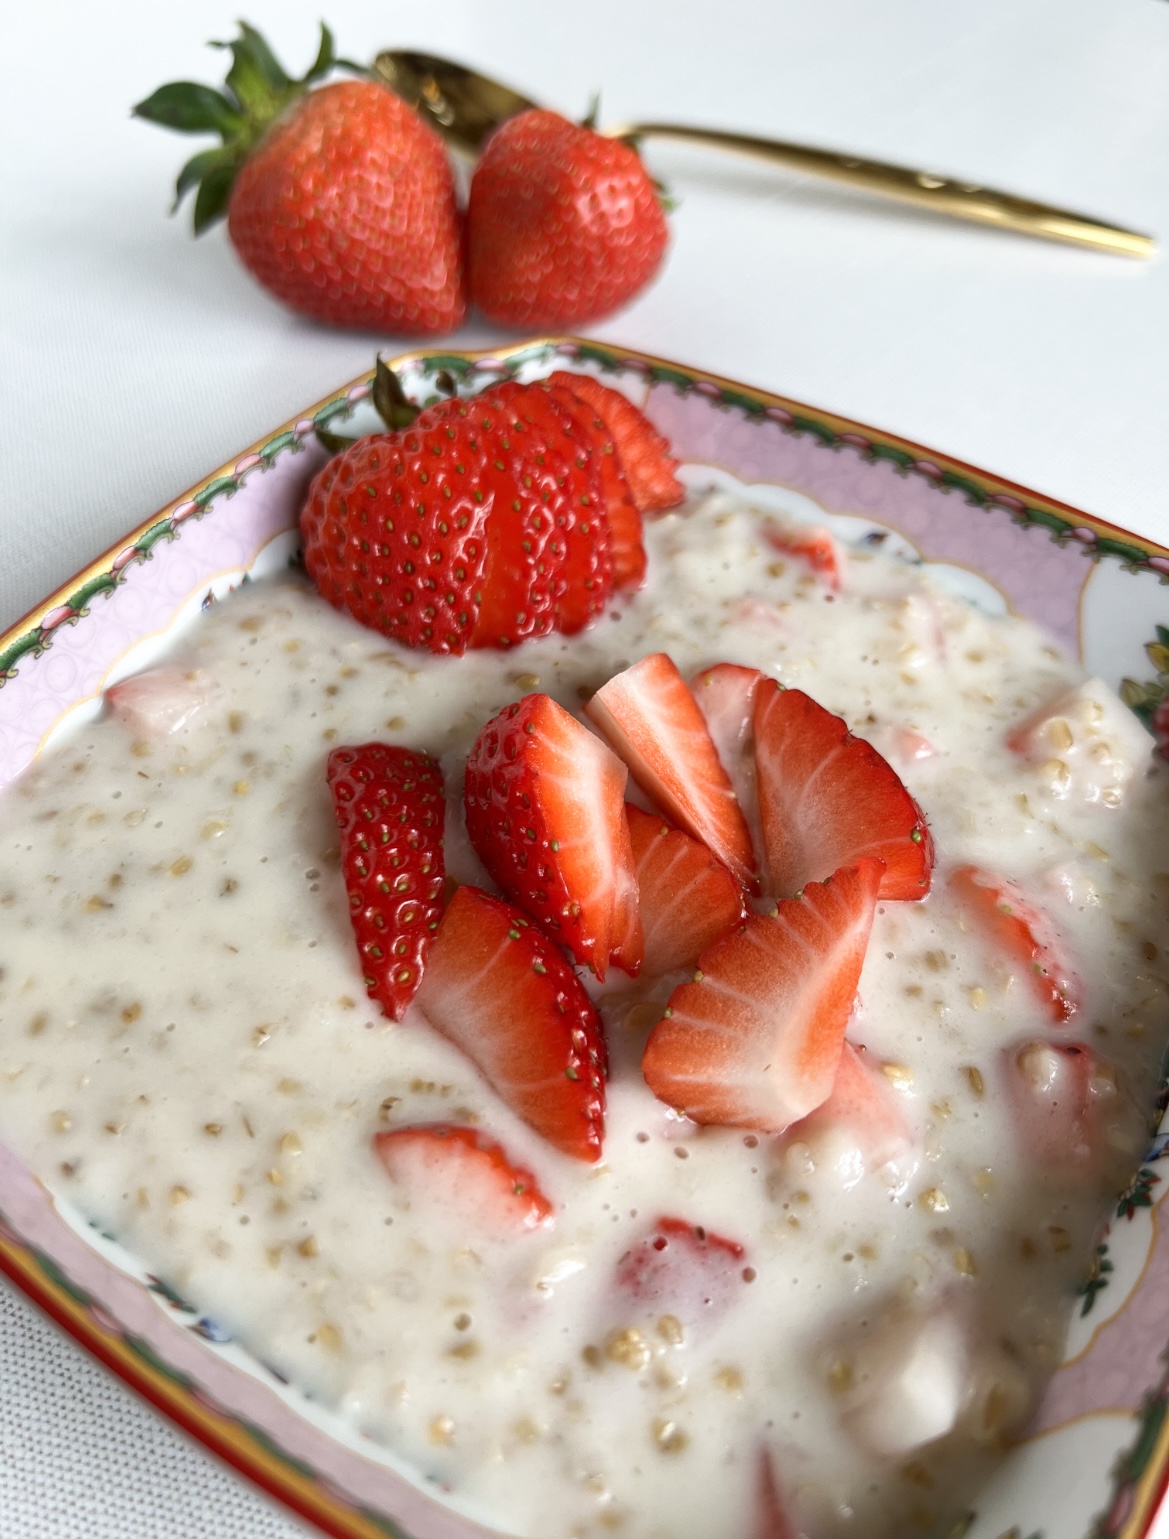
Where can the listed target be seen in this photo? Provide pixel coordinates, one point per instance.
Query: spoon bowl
(465, 106)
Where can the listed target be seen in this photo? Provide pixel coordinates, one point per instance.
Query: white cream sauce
(187, 1052)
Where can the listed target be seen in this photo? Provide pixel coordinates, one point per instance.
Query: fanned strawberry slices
(755, 1040)
(645, 454)
(624, 518)
(486, 522)
(827, 798)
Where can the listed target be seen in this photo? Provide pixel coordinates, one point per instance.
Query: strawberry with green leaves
(339, 199)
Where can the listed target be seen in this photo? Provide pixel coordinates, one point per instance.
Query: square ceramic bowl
(1096, 1461)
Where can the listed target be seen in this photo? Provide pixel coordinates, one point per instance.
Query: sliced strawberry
(531, 493)
(827, 798)
(1070, 1110)
(687, 899)
(771, 1516)
(628, 553)
(545, 803)
(645, 454)
(1085, 744)
(568, 481)
(726, 697)
(755, 1041)
(505, 996)
(390, 812)
(455, 1170)
(653, 722)
(810, 544)
(1022, 936)
(861, 1127)
(159, 701)
(683, 1269)
(909, 746)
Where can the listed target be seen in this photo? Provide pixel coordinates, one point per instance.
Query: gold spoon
(466, 106)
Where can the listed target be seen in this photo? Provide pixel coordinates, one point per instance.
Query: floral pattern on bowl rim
(1096, 1463)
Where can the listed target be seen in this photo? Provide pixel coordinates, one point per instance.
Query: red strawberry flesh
(726, 697)
(161, 700)
(687, 899)
(458, 1171)
(503, 994)
(1022, 936)
(815, 547)
(755, 1040)
(827, 798)
(861, 1119)
(1055, 1093)
(390, 812)
(653, 722)
(683, 1269)
(545, 805)
(771, 1519)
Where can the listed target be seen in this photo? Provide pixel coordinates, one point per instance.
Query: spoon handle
(962, 200)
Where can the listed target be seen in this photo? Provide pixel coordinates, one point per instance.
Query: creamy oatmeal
(187, 1052)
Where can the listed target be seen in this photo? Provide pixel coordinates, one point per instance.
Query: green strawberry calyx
(391, 403)
(256, 92)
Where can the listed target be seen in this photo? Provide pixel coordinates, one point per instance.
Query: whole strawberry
(338, 199)
(563, 225)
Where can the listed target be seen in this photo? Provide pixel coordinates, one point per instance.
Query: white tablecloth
(134, 358)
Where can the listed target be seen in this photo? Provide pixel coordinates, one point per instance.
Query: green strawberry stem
(255, 93)
(390, 401)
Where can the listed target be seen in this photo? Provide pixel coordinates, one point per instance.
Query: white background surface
(134, 359)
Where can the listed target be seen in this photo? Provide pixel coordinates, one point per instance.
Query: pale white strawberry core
(187, 1054)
